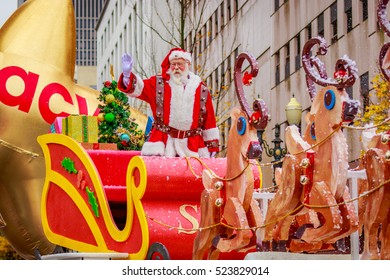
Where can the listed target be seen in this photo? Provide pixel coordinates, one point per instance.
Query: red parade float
(148, 207)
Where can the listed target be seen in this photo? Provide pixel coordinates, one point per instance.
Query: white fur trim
(179, 147)
(182, 103)
(153, 149)
(204, 153)
(139, 86)
(180, 54)
(211, 134)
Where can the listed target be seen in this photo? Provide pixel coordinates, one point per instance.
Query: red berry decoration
(247, 79)
(255, 117)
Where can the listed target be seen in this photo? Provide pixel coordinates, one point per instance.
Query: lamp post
(277, 152)
(293, 115)
(294, 112)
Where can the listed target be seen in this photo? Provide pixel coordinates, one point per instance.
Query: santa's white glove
(127, 65)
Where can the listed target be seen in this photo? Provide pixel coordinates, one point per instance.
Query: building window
(333, 21)
(204, 35)
(223, 75)
(364, 9)
(298, 52)
(276, 5)
(222, 15)
(229, 71)
(364, 89)
(320, 25)
(210, 29)
(229, 9)
(216, 87)
(287, 65)
(277, 68)
(348, 13)
(308, 31)
(199, 40)
(215, 24)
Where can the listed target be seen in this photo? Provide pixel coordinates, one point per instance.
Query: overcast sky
(7, 7)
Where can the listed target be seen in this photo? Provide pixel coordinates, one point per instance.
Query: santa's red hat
(173, 53)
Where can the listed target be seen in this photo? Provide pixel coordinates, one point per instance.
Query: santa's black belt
(176, 133)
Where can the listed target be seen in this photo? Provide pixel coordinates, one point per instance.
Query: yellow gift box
(81, 128)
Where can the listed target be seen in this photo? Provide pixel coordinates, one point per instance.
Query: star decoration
(37, 62)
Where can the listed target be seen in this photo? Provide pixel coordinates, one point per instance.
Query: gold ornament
(110, 98)
(385, 138)
(140, 143)
(100, 117)
(387, 156)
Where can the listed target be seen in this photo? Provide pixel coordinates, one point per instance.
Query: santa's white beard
(179, 77)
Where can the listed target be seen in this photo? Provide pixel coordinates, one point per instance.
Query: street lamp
(277, 152)
(293, 115)
(294, 112)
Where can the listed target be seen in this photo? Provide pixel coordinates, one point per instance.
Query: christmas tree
(115, 124)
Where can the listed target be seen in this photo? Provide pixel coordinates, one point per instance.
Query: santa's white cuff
(211, 134)
(139, 86)
(153, 149)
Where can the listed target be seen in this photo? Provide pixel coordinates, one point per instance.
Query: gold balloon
(37, 62)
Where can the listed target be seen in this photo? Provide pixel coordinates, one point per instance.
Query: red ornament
(124, 143)
(255, 117)
(107, 83)
(247, 79)
(339, 74)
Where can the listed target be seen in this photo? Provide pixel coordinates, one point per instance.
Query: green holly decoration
(116, 111)
(68, 165)
(92, 200)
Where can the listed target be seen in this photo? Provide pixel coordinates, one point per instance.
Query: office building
(87, 13)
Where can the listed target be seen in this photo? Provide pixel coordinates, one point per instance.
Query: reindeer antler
(315, 68)
(259, 115)
(381, 15)
(385, 26)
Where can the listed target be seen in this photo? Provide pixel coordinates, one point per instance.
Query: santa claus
(184, 120)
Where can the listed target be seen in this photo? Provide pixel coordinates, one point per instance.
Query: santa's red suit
(185, 123)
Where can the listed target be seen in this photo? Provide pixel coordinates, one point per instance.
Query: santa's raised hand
(127, 65)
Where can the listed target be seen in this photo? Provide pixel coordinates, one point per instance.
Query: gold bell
(387, 156)
(219, 202)
(304, 180)
(218, 185)
(305, 163)
(385, 138)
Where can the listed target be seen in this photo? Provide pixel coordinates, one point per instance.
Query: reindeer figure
(376, 215)
(229, 201)
(315, 171)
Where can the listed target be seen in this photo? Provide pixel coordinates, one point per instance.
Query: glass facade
(87, 14)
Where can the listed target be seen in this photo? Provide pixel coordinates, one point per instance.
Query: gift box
(81, 128)
(56, 126)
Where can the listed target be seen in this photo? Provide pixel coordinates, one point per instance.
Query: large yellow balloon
(37, 61)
